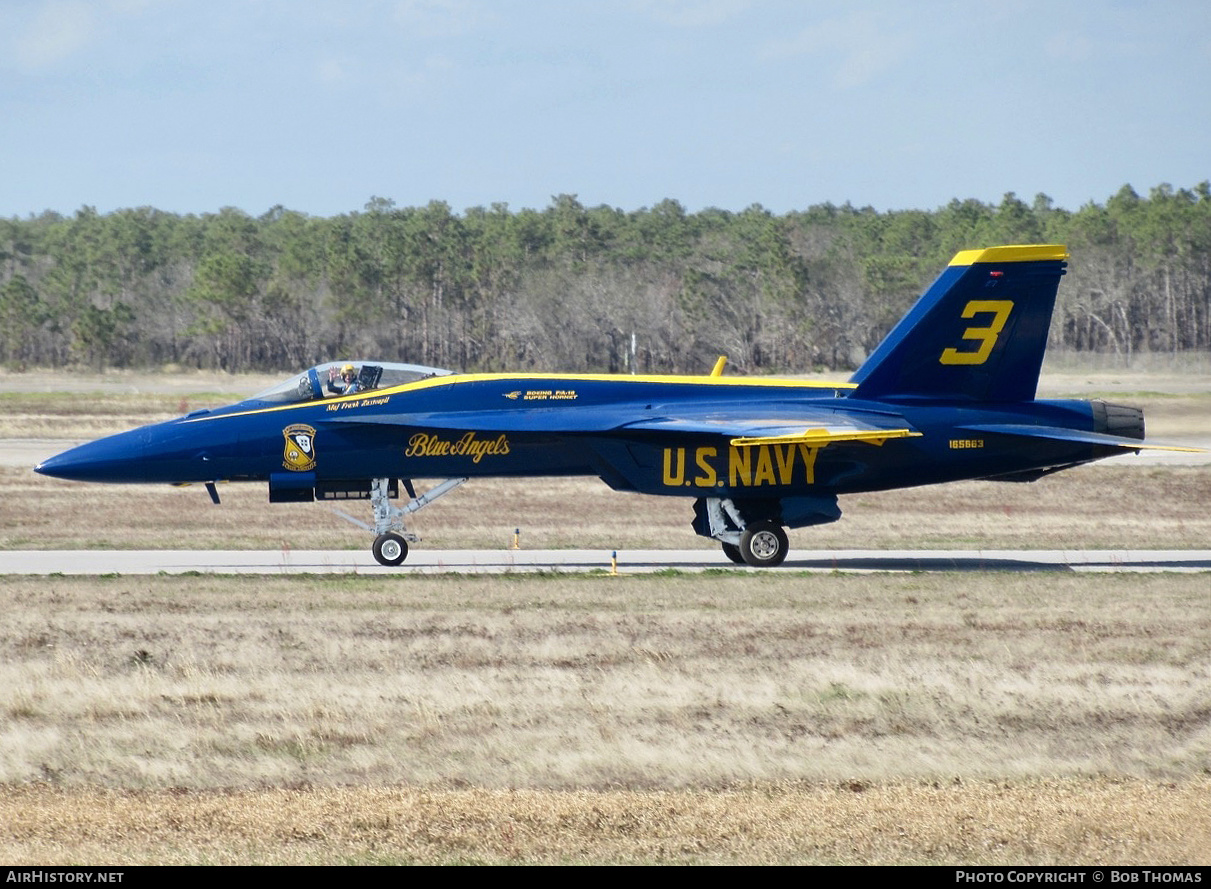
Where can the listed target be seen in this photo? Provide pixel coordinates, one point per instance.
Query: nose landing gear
(391, 541)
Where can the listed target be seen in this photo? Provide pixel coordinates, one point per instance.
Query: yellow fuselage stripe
(459, 379)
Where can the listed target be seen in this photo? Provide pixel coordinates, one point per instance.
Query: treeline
(571, 287)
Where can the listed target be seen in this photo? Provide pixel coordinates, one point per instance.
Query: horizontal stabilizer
(1058, 433)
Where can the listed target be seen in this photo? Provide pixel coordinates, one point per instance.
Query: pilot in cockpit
(347, 383)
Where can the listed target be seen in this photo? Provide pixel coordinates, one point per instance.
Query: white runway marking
(77, 562)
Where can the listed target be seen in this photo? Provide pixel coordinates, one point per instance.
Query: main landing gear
(391, 541)
(761, 543)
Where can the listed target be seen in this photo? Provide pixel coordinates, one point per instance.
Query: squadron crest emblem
(299, 454)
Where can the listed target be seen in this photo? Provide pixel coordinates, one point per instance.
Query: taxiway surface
(271, 562)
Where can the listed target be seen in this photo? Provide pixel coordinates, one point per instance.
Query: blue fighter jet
(948, 395)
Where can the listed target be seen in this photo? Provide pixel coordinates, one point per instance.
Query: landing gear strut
(391, 545)
(391, 541)
(746, 539)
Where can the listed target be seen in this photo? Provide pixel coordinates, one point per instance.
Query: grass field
(803, 718)
(725, 717)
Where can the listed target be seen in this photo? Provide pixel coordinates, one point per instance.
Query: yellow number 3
(985, 336)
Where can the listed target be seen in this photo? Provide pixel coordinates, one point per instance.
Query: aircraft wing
(1058, 433)
(774, 424)
(748, 431)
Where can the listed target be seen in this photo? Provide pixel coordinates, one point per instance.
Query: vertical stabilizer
(978, 333)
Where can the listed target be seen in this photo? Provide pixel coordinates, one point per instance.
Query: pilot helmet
(347, 369)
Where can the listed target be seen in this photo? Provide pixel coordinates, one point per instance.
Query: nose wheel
(390, 549)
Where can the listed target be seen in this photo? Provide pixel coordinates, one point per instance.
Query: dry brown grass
(718, 717)
(1045, 822)
(74, 415)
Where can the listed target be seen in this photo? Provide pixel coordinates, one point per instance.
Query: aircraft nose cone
(118, 458)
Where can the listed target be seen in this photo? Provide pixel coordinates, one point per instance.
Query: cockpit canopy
(314, 383)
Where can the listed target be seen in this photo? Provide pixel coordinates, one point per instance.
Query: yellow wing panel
(822, 437)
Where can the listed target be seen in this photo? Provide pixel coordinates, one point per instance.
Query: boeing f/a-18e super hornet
(948, 395)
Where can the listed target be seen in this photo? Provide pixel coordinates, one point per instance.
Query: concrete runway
(271, 562)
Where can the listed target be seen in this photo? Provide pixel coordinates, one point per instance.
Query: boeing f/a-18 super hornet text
(948, 395)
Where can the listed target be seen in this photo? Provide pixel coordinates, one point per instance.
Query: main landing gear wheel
(733, 552)
(390, 549)
(763, 544)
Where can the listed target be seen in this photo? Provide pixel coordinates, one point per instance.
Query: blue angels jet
(948, 395)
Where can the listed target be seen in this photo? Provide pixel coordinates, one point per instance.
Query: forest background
(569, 287)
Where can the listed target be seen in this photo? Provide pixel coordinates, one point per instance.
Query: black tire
(390, 549)
(733, 552)
(763, 544)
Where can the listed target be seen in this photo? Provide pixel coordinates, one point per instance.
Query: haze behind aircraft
(949, 394)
